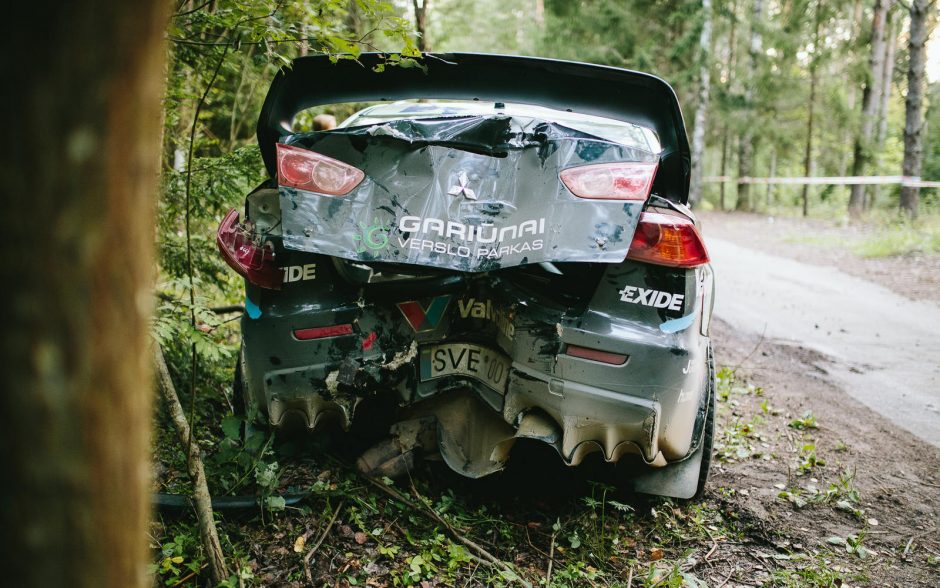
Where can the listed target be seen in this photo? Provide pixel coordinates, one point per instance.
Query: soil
(915, 275)
(896, 474)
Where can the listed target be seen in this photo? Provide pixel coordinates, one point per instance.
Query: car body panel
(470, 193)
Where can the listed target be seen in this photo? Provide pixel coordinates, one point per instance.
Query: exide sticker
(300, 273)
(654, 298)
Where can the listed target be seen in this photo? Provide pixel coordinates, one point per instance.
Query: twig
(630, 577)
(201, 497)
(551, 559)
(725, 581)
(319, 542)
(484, 555)
(190, 267)
(189, 576)
(714, 545)
(753, 351)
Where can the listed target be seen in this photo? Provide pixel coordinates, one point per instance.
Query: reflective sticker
(679, 324)
(484, 309)
(300, 273)
(424, 318)
(252, 309)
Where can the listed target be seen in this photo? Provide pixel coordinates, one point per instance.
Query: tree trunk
(421, 24)
(746, 148)
(768, 196)
(729, 82)
(79, 176)
(851, 92)
(881, 134)
(723, 172)
(701, 109)
(870, 99)
(810, 119)
(913, 105)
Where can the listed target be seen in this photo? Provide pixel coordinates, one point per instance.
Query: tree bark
(881, 133)
(421, 24)
(82, 121)
(729, 80)
(810, 119)
(913, 105)
(746, 148)
(870, 99)
(772, 174)
(701, 109)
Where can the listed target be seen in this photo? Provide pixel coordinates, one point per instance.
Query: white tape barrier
(913, 182)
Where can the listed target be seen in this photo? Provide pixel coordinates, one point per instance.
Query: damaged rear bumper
(650, 406)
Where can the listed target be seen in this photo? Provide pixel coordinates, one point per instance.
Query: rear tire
(238, 391)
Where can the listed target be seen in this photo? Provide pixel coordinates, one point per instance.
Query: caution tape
(909, 181)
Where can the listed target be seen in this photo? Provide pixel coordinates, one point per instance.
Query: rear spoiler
(599, 90)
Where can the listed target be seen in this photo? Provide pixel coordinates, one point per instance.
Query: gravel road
(884, 348)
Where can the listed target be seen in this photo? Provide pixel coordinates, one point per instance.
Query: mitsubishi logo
(461, 187)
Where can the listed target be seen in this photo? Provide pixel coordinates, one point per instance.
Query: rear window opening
(375, 113)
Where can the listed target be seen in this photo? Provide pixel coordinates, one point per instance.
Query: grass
(901, 238)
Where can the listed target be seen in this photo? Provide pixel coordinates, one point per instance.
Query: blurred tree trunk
(769, 195)
(881, 134)
(851, 92)
(732, 64)
(746, 148)
(810, 119)
(83, 120)
(701, 108)
(421, 24)
(913, 105)
(870, 99)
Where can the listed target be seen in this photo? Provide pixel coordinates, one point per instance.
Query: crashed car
(499, 247)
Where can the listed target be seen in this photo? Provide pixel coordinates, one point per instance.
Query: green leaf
(232, 427)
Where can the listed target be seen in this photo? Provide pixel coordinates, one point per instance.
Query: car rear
(496, 272)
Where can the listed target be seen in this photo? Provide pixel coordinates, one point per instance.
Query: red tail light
(252, 261)
(310, 171)
(610, 181)
(669, 240)
(322, 332)
(596, 355)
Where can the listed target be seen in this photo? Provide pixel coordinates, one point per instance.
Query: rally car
(497, 248)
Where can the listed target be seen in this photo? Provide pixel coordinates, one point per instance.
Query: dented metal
(463, 270)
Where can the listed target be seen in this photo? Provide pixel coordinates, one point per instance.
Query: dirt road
(884, 348)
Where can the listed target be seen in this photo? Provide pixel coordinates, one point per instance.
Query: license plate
(465, 359)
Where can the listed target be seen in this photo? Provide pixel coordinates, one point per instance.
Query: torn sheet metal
(471, 194)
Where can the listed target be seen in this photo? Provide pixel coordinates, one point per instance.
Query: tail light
(610, 181)
(252, 261)
(323, 332)
(596, 355)
(669, 240)
(310, 171)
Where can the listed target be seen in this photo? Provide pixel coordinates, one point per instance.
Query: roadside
(913, 275)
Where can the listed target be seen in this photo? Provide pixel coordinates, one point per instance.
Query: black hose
(177, 502)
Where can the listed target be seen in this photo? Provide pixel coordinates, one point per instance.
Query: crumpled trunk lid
(471, 194)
